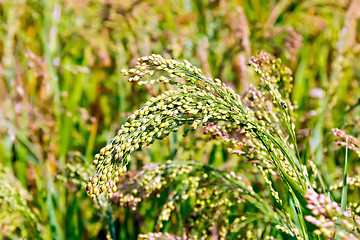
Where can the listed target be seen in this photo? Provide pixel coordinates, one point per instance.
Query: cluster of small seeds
(263, 108)
(197, 101)
(288, 231)
(325, 214)
(15, 211)
(188, 106)
(159, 235)
(344, 139)
(352, 182)
(315, 172)
(191, 75)
(273, 71)
(320, 204)
(246, 144)
(211, 210)
(253, 124)
(227, 132)
(275, 76)
(199, 182)
(355, 207)
(267, 115)
(274, 193)
(152, 180)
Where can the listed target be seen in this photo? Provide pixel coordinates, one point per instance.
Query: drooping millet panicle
(188, 105)
(197, 101)
(160, 116)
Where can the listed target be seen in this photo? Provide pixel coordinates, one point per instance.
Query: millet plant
(258, 127)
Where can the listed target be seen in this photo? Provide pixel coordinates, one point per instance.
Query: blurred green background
(62, 96)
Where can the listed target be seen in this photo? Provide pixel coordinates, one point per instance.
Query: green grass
(62, 97)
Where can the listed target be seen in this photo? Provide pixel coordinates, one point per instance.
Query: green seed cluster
(313, 173)
(352, 182)
(152, 180)
(275, 76)
(245, 143)
(188, 106)
(197, 101)
(268, 116)
(257, 126)
(211, 192)
(15, 210)
(274, 193)
(227, 132)
(159, 235)
(355, 207)
(273, 71)
(293, 232)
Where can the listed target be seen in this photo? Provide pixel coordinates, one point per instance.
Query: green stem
(344, 190)
(111, 222)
